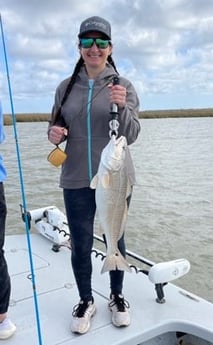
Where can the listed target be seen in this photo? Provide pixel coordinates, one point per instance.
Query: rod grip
(116, 80)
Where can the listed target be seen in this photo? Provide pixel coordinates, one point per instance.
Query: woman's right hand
(56, 134)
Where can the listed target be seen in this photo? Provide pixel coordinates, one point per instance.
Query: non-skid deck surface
(57, 294)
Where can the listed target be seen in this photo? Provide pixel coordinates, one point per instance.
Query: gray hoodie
(86, 114)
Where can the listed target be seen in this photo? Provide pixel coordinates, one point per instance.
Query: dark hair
(73, 77)
(77, 68)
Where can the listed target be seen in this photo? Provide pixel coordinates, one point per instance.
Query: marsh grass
(206, 112)
(31, 117)
(146, 114)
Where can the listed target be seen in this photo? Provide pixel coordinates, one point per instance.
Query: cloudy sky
(165, 47)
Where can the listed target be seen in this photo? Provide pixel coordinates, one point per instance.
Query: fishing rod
(22, 189)
(114, 121)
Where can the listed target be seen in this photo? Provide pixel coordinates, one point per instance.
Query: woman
(81, 117)
(7, 328)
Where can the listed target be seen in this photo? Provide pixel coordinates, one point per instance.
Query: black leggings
(5, 286)
(80, 209)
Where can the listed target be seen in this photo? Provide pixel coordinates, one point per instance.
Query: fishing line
(22, 188)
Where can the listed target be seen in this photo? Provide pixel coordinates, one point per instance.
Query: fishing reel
(50, 222)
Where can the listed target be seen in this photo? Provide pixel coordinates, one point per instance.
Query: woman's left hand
(118, 95)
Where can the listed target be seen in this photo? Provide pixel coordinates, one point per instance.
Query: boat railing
(52, 224)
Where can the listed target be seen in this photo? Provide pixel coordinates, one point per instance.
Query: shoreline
(145, 114)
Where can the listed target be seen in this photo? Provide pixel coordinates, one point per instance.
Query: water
(170, 215)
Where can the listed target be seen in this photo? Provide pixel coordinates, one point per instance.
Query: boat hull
(151, 323)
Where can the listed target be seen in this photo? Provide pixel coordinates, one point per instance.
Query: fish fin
(101, 231)
(115, 262)
(105, 180)
(94, 182)
(129, 189)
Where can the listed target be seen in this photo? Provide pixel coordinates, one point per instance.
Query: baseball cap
(95, 24)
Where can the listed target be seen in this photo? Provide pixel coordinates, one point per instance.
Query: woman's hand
(56, 134)
(117, 95)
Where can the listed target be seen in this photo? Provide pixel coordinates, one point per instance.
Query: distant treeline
(31, 117)
(146, 114)
(152, 114)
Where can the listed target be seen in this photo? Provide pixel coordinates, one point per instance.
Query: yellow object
(57, 157)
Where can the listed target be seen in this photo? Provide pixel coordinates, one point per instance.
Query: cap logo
(98, 24)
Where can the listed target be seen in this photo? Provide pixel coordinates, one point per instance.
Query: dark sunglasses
(88, 42)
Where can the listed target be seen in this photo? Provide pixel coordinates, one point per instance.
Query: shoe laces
(80, 309)
(119, 302)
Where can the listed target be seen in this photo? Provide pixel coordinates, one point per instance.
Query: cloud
(164, 47)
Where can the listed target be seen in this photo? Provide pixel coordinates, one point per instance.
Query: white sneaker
(7, 329)
(119, 308)
(82, 314)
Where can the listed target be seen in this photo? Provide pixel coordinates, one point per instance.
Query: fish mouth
(113, 155)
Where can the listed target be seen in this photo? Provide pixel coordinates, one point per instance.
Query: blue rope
(22, 191)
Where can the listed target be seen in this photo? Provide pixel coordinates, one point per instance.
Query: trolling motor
(50, 222)
(162, 273)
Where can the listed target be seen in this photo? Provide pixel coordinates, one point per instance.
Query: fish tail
(115, 262)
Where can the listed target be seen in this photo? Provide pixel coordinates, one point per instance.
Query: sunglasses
(88, 42)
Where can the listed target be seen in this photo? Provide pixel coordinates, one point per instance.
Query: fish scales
(112, 189)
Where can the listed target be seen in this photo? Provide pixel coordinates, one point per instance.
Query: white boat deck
(57, 294)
